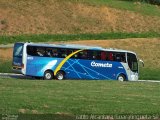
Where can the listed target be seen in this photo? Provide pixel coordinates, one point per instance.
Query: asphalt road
(20, 76)
(11, 75)
(6, 46)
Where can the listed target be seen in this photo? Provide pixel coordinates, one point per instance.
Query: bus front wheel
(48, 75)
(60, 75)
(121, 77)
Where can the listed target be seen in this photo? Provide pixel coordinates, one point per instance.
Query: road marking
(13, 75)
(148, 81)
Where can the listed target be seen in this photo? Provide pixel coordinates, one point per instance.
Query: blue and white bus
(64, 61)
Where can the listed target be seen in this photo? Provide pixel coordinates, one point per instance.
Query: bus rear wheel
(60, 75)
(48, 75)
(121, 77)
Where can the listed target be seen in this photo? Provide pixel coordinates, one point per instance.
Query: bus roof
(75, 46)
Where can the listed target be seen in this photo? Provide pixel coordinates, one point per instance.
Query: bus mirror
(141, 62)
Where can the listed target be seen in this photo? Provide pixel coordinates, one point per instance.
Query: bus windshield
(18, 50)
(132, 62)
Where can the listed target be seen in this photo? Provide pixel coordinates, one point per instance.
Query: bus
(70, 61)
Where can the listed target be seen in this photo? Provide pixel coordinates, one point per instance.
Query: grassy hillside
(132, 5)
(80, 16)
(78, 97)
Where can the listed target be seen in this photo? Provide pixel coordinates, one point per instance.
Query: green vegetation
(5, 66)
(156, 2)
(70, 37)
(78, 97)
(149, 74)
(142, 8)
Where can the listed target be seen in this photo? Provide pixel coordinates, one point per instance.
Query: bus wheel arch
(121, 77)
(48, 75)
(60, 75)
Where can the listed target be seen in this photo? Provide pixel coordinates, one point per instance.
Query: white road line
(148, 81)
(5, 74)
(13, 75)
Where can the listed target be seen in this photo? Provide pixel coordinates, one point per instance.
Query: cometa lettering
(94, 64)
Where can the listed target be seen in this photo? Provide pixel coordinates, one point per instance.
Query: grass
(70, 37)
(149, 74)
(69, 98)
(5, 66)
(142, 8)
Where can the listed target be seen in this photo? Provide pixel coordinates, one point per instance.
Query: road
(20, 76)
(12, 75)
(6, 46)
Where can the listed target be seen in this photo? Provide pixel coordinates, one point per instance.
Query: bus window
(18, 50)
(69, 51)
(40, 51)
(123, 58)
(96, 55)
(110, 56)
(89, 55)
(54, 52)
(132, 62)
(36, 51)
(17, 62)
(31, 50)
(103, 55)
(75, 55)
(83, 55)
(49, 52)
(120, 57)
(62, 52)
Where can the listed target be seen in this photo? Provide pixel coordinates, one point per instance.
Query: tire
(48, 75)
(121, 78)
(60, 75)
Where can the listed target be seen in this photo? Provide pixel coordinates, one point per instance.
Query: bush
(157, 2)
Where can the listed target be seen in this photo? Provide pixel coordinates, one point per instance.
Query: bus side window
(120, 57)
(69, 51)
(31, 50)
(123, 58)
(84, 55)
(63, 53)
(96, 55)
(49, 52)
(80, 55)
(75, 55)
(110, 57)
(117, 57)
(54, 52)
(89, 54)
(40, 51)
(103, 55)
